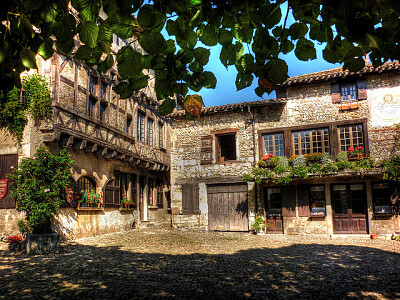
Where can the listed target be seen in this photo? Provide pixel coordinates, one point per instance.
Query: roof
(228, 107)
(339, 73)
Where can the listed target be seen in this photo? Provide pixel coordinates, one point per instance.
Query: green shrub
(262, 163)
(39, 183)
(299, 161)
(342, 165)
(313, 157)
(273, 161)
(283, 162)
(300, 172)
(342, 157)
(259, 224)
(326, 158)
(329, 168)
(315, 168)
(391, 168)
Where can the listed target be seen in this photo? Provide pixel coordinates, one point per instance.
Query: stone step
(146, 224)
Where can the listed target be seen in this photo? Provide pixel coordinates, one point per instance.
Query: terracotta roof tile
(339, 73)
(228, 107)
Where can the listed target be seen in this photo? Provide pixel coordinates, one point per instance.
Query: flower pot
(355, 105)
(374, 236)
(98, 204)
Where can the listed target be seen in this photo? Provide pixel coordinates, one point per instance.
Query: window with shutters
(190, 199)
(274, 144)
(226, 147)
(311, 141)
(381, 196)
(140, 126)
(206, 150)
(349, 91)
(112, 190)
(274, 201)
(317, 199)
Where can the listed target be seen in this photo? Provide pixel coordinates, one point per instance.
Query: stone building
(119, 147)
(327, 111)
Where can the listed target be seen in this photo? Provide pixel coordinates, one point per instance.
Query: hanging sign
(3, 188)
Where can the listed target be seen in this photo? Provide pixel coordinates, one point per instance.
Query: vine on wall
(32, 100)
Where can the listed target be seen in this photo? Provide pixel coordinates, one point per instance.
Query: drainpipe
(253, 123)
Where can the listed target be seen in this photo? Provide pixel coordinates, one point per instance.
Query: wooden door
(349, 208)
(8, 162)
(228, 207)
(273, 209)
(142, 186)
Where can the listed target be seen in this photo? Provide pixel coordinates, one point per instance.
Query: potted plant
(14, 241)
(126, 202)
(356, 152)
(259, 225)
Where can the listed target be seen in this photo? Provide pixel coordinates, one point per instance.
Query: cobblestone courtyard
(142, 264)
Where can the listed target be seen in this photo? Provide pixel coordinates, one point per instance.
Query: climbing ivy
(32, 100)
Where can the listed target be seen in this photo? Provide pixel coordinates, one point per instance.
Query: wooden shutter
(336, 92)
(117, 178)
(362, 89)
(281, 93)
(289, 201)
(304, 201)
(206, 150)
(190, 199)
(6, 162)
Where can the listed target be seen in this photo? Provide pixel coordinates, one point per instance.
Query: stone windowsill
(90, 208)
(127, 208)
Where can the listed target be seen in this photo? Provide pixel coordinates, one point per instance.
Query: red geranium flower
(351, 149)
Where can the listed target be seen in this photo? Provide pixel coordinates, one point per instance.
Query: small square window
(92, 84)
(226, 147)
(274, 144)
(317, 200)
(348, 91)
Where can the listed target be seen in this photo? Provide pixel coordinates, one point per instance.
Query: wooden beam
(83, 145)
(70, 141)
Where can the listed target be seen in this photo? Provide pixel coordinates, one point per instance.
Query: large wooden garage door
(227, 207)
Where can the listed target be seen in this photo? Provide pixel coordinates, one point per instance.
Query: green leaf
(193, 105)
(130, 62)
(195, 66)
(170, 47)
(230, 54)
(88, 33)
(88, 9)
(208, 35)
(105, 33)
(124, 90)
(319, 32)
(122, 24)
(106, 64)
(275, 70)
(243, 81)
(209, 80)
(46, 49)
(353, 60)
(167, 106)
(242, 34)
(298, 30)
(139, 83)
(153, 42)
(259, 91)
(64, 30)
(28, 58)
(150, 18)
(305, 50)
(163, 89)
(48, 13)
(202, 55)
(270, 15)
(90, 55)
(330, 55)
(187, 40)
(287, 46)
(172, 27)
(245, 64)
(32, 5)
(225, 37)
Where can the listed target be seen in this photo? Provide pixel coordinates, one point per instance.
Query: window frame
(160, 135)
(311, 202)
(311, 141)
(388, 200)
(351, 139)
(88, 182)
(150, 132)
(219, 149)
(333, 135)
(274, 145)
(141, 135)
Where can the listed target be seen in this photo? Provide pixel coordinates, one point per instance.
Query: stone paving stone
(154, 263)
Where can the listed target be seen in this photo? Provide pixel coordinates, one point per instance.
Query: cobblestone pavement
(142, 264)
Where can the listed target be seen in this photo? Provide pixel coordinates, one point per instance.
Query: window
(351, 136)
(348, 198)
(123, 187)
(150, 124)
(160, 135)
(311, 141)
(85, 184)
(381, 196)
(92, 84)
(151, 192)
(317, 200)
(348, 91)
(92, 107)
(140, 126)
(274, 202)
(274, 144)
(352, 90)
(160, 194)
(190, 199)
(103, 89)
(103, 108)
(226, 147)
(128, 123)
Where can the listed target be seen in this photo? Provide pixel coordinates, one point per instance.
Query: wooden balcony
(72, 128)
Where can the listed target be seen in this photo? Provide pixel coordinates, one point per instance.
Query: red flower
(131, 203)
(101, 193)
(123, 195)
(77, 197)
(351, 149)
(100, 198)
(361, 148)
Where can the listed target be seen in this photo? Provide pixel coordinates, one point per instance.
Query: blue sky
(225, 91)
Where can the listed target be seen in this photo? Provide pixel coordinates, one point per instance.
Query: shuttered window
(206, 150)
(349, 91)
(190, 199)
(112, 191)
(289, 201)
(140, 126)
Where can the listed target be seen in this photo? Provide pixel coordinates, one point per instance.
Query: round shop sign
(3, 188)
(385, 109)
